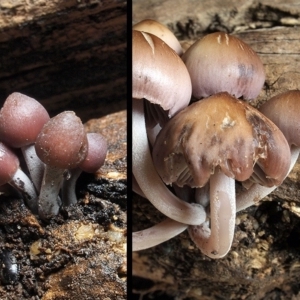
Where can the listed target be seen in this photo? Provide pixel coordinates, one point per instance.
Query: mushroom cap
(97, 149)
(161, 31)
(220, 131)
(21, 120)
(220, 62)
(9, 164)
(62, 142)
(284, 110)
(158, 73)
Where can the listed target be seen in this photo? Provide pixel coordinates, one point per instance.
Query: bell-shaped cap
(220, 62)
(223, 132)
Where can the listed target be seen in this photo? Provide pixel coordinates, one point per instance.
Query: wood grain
(67, 54)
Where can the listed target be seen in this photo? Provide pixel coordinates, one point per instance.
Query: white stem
(216, 241)
(257, 192)
(150, 182)
(156, 234)
(69, 186)
(35, 165)
(49, 202)
(22, 183)
(136, 188)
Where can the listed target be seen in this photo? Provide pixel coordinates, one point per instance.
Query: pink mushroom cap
(9, 164)
(97, 149)
(62, 143)
(21, 120)
(220, 62)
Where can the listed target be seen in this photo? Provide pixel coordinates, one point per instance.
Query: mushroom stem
(257, 192)
(22, 183)
(150, 182)
(156, 234)
(216, 241)
(49, 202)
(136, 188)
(69, 186)
(34, 164)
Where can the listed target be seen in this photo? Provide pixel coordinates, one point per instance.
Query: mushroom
(97, 149)
(284, 111)
(21, 120)
(219, 139)
(161, 31)
(159, 77)
(11, 173)
(61, 145)
(220, 62)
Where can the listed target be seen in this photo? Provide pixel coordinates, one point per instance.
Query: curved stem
(23, 184)
(257, 192)
(156, 234)
(35, 165)
(49, 202)
(216, 241)
(69, 186)
(136, 188)
(150, 182)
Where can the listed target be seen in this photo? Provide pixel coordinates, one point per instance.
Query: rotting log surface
(265, 257)
(67, 54)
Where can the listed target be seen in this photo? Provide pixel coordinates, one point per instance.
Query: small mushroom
(61, 145)
(219, 139)
(220, 62)
(11, 173)
(97, 149)
(159, 77)
(284, 111)
(161, 31)
(21, 120)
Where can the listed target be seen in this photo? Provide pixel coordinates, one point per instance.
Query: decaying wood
(265, 258)
(67, 54)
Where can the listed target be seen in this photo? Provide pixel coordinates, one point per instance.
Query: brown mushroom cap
(158, 73)
(161, 31)
(284, 111)
(220, 62)
(62, 143)
(220, 131)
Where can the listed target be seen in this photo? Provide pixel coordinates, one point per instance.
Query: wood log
(66, 54)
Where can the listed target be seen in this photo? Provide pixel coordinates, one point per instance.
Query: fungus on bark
(61, 145)
(219, 139)
(21, 120)
(220, 62)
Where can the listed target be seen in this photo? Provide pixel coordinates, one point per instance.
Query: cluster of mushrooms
(55, 151)
(194, 140)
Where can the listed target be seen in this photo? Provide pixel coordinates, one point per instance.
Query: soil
(265, 258)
